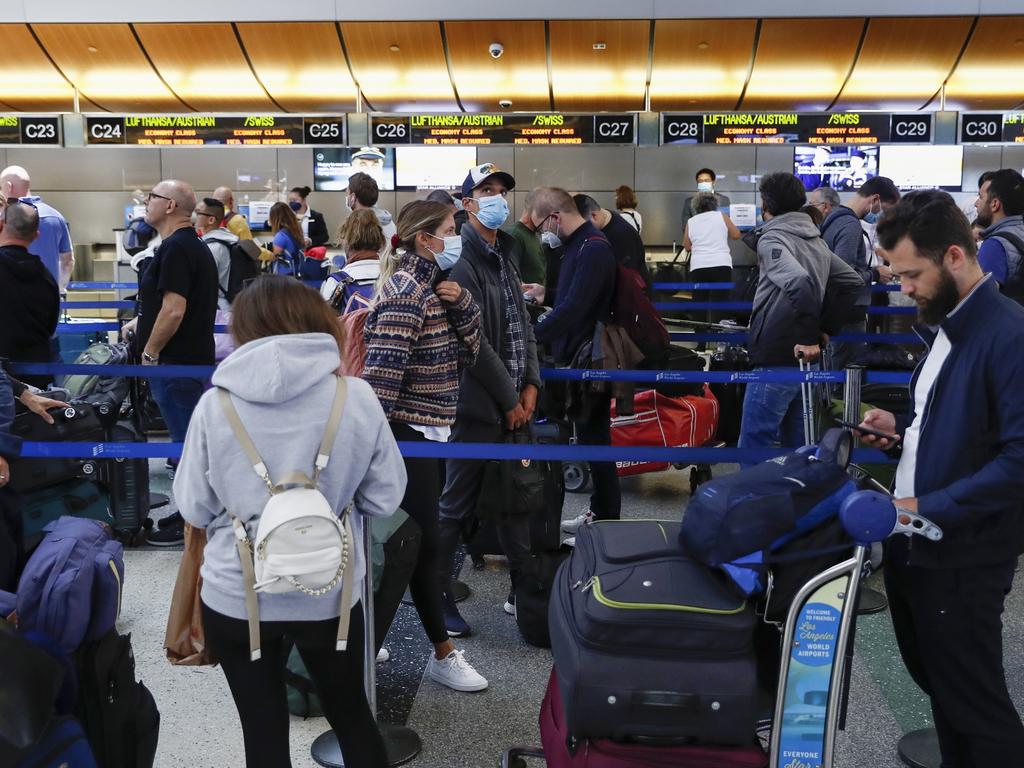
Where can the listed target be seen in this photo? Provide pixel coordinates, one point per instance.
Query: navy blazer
(969, 476)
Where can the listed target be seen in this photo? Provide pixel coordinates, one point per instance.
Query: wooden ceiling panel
(903, 62)
(801, 63)
(37, 86)
(400, 66)
(521, 74)
(613, 78)
(301, 64)
(204, 65)
(700, 64)
(991, 73)
(106, 64)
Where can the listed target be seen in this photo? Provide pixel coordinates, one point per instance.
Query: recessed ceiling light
(92, 49)
(599, 46)
(394, 48)
(703, 45)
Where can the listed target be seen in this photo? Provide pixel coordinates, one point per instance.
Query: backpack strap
(252, 603)
(323, 455)
(243, 437)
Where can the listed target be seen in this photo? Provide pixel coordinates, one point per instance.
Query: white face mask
(551, 239)
(350, 203)
(705, 186)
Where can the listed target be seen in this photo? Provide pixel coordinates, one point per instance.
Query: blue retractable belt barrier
(740, 338)
(498, 451)
(97, 305)
(95, 286)
(876, 288)
(746, 306)
(100, 326)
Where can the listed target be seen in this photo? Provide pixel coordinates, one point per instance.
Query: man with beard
(1000, 206)
(962, 468)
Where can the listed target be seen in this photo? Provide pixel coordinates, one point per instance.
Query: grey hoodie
(804, 290)
(282, 387)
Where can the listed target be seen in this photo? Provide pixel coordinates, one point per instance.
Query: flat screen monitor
(333, 165)
(433, 167)
(924, 166)
(844, 168)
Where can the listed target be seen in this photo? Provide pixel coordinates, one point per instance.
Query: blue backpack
(71, 587)
(736, 522)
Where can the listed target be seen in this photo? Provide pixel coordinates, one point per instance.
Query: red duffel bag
(672, 422)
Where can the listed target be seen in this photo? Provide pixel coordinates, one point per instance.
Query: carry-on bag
(668, 422)
(75, 422)
(127, 482)
(561, 750)
(650, 643)
(75, 498)
(730, 396)
(64, 745)
(533, 586)
(95, 387)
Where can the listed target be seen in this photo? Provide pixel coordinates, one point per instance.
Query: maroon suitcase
(603, 753)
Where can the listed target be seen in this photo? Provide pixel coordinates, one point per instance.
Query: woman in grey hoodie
(282, 382)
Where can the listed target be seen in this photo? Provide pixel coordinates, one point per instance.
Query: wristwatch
(150, 358)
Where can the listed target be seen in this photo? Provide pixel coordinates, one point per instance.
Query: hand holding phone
(868, 431)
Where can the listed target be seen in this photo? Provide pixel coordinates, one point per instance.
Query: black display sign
(324, 130)
(458, 129)
(992, 128)
(29, 130)
(794, 128)
(204, 130)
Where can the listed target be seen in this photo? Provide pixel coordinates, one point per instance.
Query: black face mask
(934, 310)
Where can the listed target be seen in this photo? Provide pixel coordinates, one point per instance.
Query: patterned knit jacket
(416, 345)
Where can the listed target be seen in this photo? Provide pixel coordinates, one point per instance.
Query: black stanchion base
(871, 601)
(157, 500)
(402, 745)
(920, 749)
(461, 589)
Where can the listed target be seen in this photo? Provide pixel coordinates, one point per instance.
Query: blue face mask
(493, 211)
(871, 217)
(448, 257)
(295, 205)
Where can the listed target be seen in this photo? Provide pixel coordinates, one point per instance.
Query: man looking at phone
(962, 468)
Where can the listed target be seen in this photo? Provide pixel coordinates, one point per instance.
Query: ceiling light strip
(448, 63)
(750, 69)
(245, 55)
(156, 71)
(853, 64)
(60, 71)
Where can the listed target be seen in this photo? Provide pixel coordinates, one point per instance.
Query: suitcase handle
(666, 699)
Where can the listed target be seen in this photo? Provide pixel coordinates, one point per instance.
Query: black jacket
(969, 474)
(487, 391)
(842, 232)
(317, 229)
(29, 307)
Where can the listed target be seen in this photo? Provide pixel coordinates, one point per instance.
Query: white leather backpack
(301, 543)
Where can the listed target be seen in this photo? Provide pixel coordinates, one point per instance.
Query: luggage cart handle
(870, 516)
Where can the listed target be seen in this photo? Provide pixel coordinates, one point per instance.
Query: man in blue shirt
(53, 245)
(1000, 206)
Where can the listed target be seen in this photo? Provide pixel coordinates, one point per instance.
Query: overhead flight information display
(214, 130)
(15, 129)
(992, 128)
(795, 128)
(460, 129)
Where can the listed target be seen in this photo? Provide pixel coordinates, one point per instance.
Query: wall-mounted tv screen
(333, 165)
(433, 167)
(924, 166)
(844, 168)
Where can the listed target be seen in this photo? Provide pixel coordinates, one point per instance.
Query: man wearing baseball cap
(499, 393)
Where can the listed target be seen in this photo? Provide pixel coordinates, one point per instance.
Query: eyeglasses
(151, 195)
(206, 213)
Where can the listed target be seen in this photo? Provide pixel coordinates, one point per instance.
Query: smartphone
(869, 431)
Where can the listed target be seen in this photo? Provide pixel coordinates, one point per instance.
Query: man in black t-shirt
(177, 307)
(625, 240)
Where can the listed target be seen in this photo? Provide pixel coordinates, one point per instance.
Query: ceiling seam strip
(352, 72)
(547, 55)
(853, 64)
(448, 64)
(60, 71)
(650, 68)
(245, 55)
(174, 93)
(750, 69)
(952, 70)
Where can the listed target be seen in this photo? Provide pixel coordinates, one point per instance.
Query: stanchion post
(401, 742)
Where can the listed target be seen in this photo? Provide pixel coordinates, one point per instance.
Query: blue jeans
(772, 415)
(177, 398)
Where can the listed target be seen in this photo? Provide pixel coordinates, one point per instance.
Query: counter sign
(29, 130)
(460, 129)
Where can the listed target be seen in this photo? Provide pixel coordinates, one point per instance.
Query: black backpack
(245, 266)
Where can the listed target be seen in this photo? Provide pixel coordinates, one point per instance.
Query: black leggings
(258, 687)
(420, 503)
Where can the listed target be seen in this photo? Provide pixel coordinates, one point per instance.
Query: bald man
(233, 221)
(53, 245)
(177, 307)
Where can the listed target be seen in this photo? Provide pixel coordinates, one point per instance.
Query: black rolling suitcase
(76, 422)
(730, 396)
(648, 643)
(127, 482)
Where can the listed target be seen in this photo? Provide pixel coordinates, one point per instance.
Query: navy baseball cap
(482, 173)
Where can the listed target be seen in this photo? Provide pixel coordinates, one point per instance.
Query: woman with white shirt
(707, 237)
(626, 203)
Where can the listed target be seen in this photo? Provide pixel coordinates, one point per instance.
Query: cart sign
(460, 129)
(29, 130)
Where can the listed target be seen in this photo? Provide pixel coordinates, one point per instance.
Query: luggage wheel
(575, 476)
(513, 758)
(699, 475)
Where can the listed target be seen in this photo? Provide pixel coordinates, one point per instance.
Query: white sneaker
(455, 672)
(571, 526)
(383, 655)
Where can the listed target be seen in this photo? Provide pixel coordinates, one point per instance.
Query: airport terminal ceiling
(338, 62)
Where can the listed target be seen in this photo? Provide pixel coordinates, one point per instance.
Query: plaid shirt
(513, 349)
